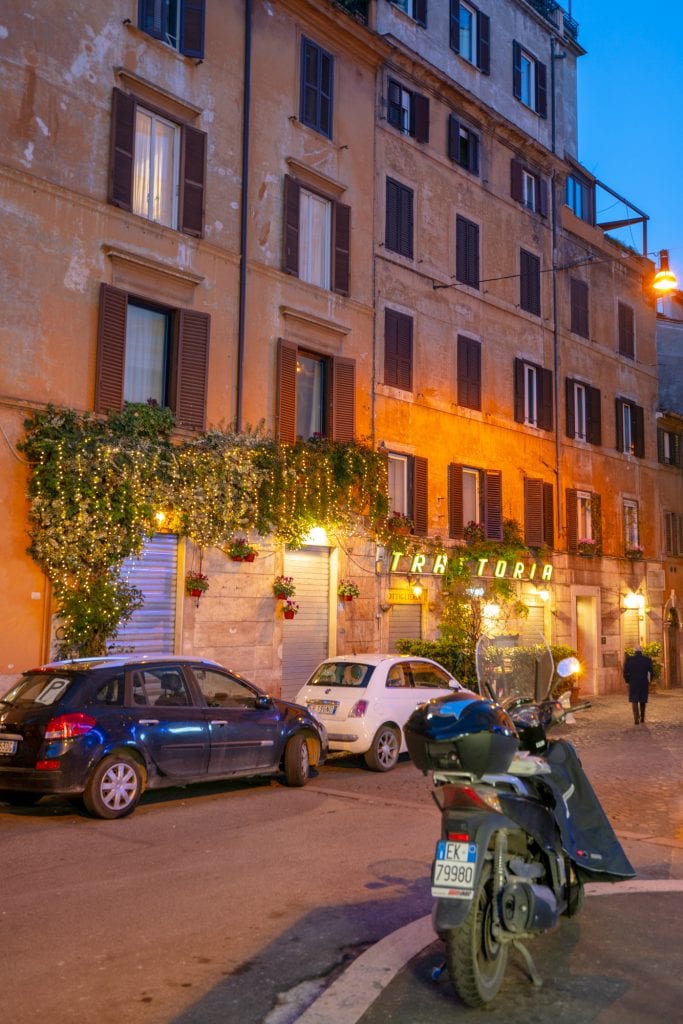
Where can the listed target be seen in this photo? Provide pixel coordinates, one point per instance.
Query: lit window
(584, 516)
(155, 172)
(397, 474)
(147, 333)
(315, 223)
(471, 505)
(631, 531)
(310, 389)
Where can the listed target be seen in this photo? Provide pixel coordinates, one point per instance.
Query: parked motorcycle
(521, 827)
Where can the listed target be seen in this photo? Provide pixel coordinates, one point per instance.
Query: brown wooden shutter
(192, 28)
(619, 418)
(454, 26)
(516, 190)
(533, 513)
(192, 368)
(420, 520)
(519, 390)
(111, 349)
(291, 227)
(453, 138)
(421, 12)
(579, 307)
(541, 89)
(398, 349)
(483, 42)
(660, 445)
(343, 398)
(516, 69)
(572, 519)
(342, 245)
(596, 521)
(545, 399)
(285, 414)
(467, 252)
(530, 282)
(493, 504)
(421, 115)
(469, 372)
(121, 148)
(638, 430)
(626, 331)
(192, 181)
(455, 502)
(593, 415)
(569, 390)
(542, 196)
(548, 516)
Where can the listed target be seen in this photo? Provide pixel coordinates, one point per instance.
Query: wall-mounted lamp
(543, 593)
(417, 589)
(665, 280)
(160, 518)
(634, 601)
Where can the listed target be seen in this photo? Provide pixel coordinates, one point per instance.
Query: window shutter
(626, 331)
(593, 415)
(421, 115)
(394, 111)
(483, 43)
(469, 372)
(343, 398)
(406, 221)
(638, 429)
(122, 145)
(192, 368)
(421, 12)
(675, 441)
(569, 388)
(619, 416)
(660, 445)
(149, 17)
(572, 519)
(596, 520)
(530, 282)
(579, 307)
(668, 533)
(548, 516)
(192, 28)
(461, 249)
(519, 390)
(467, 252)
(342, 245)
(493, 504)
(398, 349)
(473, 153)
(533, 513)
(545, 382)
(541, 89)
(542, 196)
(454, 26)
(291, 227)
(192, 178)
(453, 138)
(516, 169)
(516, 69)
(455, 504)
(111, 349)
(286, 391)
(420, 495)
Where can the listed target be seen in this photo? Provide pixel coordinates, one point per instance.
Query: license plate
(323, 707)
(8, 746)
(454, 868)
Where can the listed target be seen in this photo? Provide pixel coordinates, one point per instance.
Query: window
(469, 372)
(316, 237)
(408, 111)
(148, 152)
(474, 496)
(407, 481)
(315, 394)
(110, 692)
(584, 527)
(399, 223)
(528, 188)
(398, 350)
(578, 295)
(579, 198)
(630, 428)
(529, 80)
(668, 447)
(466, 252)
(673, 533)
(317, 69)
(415, 9)
(463, 145)
(529, 282)
(146, 351)
(539, 526)
(470, 34)
(627, 334)
(179, 23)
(533, 395)
(631, 528)
(584, 413)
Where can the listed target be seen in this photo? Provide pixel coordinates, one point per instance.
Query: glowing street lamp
(665, 280)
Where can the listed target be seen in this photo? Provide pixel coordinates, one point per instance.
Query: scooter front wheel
(476, 960)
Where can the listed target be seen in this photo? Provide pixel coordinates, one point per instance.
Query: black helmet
(461, 732)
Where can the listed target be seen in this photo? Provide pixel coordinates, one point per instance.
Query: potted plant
(196, 583)
(399, 523)
(586, 546)
(289, 608)
(474, 533)
(283, 587)
(240, 550)
(634, 552)
(347, 590)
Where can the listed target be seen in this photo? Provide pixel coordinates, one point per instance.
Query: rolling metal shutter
(152, 627)
(305, 641)
(405, 624)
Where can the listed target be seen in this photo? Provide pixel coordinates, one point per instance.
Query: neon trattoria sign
(500, 568)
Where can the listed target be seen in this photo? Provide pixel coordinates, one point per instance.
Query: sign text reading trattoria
(501, 568)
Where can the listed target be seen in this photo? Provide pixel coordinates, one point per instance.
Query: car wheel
(114, 788)
(20, 799)
(383, 754)
(296, 761)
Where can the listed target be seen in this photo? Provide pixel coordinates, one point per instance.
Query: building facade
(359, 220)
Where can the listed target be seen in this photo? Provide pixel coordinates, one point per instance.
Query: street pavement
(618, 962)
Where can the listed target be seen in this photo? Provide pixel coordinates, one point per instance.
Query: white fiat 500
(364, 701)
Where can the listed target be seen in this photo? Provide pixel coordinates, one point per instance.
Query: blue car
(105, 729)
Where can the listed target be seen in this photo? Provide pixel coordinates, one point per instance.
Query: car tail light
(67, 727)
(458, 837)
(48, 766)
(358, 709)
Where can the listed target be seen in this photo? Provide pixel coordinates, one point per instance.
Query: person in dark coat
(638, 671)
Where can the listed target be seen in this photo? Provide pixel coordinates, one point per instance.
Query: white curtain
(314, 238)
(309, 394)
(154, 170)
(145, 355)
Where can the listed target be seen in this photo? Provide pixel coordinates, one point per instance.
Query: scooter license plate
(454, 870)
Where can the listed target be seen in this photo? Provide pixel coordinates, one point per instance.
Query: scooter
(521, 827)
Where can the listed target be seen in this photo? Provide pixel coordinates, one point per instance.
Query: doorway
(587, 641)
(305, 638)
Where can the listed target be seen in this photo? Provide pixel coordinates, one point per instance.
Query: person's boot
(642, 712)
(636, 717)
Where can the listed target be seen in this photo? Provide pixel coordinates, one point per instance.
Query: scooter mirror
(568, 667)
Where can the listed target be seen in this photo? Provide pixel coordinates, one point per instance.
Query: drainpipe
(243, 217)
(555, 55)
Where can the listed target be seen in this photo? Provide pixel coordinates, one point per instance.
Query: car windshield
(341, 673)
(40, 688)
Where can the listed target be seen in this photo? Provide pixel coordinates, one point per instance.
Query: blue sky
(630, 110)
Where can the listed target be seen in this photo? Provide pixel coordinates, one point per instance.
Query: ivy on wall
(95, 486)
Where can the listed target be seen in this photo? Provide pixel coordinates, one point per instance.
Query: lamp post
(665, 280)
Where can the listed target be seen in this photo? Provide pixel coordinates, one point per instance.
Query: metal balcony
(357, 9)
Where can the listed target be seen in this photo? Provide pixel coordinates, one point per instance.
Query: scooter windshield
(510, 666)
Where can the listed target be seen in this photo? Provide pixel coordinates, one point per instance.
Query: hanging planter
(196, 583)
(634, 553)
(240, 550)
(399, 524)
(587, 546)
(289, 609)
(347, 590)
(283, 587)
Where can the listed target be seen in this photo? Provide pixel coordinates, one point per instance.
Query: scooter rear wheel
(476, 961)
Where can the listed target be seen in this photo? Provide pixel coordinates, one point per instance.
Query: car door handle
(218, 721)
(149, 721)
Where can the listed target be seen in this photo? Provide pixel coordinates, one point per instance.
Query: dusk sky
(630, 107)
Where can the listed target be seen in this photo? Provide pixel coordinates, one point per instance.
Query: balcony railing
(357, 9)
(551, 10)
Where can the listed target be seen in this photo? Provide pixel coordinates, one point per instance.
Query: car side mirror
(264, 700)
